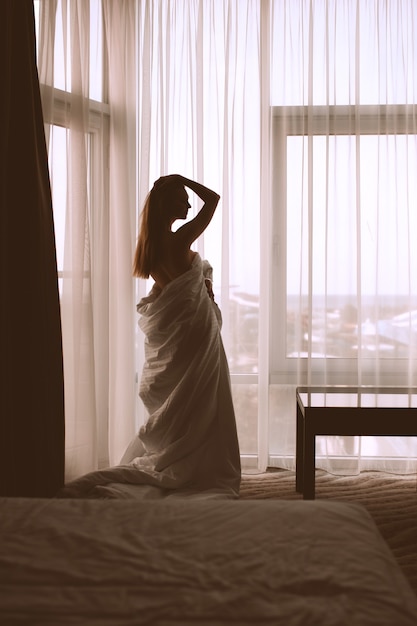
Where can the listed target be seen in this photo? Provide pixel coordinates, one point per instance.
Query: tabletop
(361, 397)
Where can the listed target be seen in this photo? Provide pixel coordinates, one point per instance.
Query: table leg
(299, 452)
(309, 465)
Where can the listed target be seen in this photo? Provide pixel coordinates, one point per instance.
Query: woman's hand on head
(169, 179)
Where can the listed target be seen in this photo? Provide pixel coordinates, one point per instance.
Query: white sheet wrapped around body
(189, 440)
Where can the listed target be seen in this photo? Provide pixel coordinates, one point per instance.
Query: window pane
(63, 68)
(96, 50)
(243, 348)
(245, 400)
(57, 152)
(316, 59)
(59, 138)
(334, 228)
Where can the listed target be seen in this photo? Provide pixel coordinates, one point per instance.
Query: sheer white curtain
(198, 82)
(301, 114)
(344, 96)
(86, 58)
(203, 99)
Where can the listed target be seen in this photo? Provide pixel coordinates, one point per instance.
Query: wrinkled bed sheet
(191, 561)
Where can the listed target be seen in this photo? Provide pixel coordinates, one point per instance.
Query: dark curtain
(31, 375)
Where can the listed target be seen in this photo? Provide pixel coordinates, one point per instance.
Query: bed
(201, 561)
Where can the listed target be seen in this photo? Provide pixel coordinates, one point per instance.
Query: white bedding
(190, 561)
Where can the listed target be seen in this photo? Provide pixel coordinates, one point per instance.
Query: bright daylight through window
(303, 117)
(57, 103)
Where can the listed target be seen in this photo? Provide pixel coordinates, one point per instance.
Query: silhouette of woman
(189, 442)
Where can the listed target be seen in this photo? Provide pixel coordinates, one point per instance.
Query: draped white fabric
(302, 115)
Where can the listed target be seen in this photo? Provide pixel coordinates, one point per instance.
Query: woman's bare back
(174, 261)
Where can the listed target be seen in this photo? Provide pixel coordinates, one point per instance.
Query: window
(346, 181)
(66, 110)
(311, 287)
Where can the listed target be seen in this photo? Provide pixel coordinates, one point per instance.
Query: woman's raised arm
(193, 229)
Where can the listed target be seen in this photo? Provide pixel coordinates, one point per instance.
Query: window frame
(98, 135)
(313, 121)
(56, 109)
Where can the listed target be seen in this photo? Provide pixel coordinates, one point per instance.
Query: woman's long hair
(153, 217)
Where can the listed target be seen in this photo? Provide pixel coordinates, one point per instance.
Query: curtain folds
(86, 55)
(31, 378)
(302, 115)
(119, 20)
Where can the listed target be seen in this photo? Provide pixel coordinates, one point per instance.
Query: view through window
(352, 249)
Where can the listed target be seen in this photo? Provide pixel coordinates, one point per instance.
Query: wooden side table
(339, 410)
